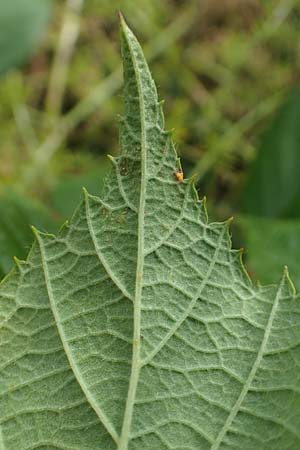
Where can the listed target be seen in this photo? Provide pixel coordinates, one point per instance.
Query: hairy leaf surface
(137, 327)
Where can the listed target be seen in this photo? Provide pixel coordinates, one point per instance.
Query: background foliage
(229, 74)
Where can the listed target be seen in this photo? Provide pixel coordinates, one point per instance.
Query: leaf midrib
(135, 368)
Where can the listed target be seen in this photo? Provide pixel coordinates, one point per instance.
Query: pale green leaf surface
(137, 327)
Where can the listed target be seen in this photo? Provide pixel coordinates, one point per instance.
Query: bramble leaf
(137, 326)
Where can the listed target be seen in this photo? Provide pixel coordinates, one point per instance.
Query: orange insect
(179, 175)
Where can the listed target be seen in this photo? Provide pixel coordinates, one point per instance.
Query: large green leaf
(22, 23)
(137, 327)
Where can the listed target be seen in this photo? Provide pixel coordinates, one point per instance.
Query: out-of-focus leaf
(21, 25)
(273, 188)
(17, 213)
(270, 244)
(66, 193)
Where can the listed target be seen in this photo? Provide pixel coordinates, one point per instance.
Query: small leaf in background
(18, 213)
(273, 187)
(270, 244)
(22, 23)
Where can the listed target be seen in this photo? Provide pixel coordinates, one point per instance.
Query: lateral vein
(236, 408)
(189, 309)
(101, 415)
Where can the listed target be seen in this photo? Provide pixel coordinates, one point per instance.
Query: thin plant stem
(24, 125)
(66, 43)
(234, 134)
(227, 142)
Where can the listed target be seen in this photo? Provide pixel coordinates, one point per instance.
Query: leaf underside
(137, 326)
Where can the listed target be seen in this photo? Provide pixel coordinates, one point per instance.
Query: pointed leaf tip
(122, 21)
(16, 260)
(34, 230)
(286, 280)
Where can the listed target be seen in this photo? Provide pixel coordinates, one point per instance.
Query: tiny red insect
(179, 175)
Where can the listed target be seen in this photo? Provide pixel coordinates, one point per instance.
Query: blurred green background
(229, 73)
